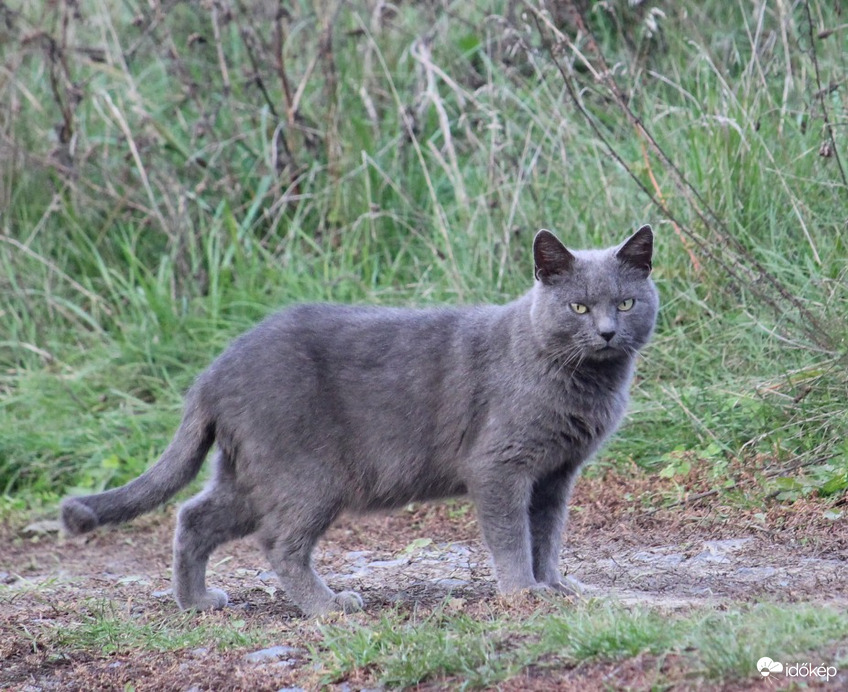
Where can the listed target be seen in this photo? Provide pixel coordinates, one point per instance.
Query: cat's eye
(579, 308)
(626, 304)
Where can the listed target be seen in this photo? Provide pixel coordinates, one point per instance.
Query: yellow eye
(579, 308)
(625, 305)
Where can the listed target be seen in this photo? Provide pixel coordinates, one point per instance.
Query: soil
(622, 544)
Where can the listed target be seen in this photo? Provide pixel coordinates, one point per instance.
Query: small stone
(708, 556)
(659, 559)
(725, 546)
(388, 563)
(134, 579)
(357, 554)
(449, 583)
(756, 573)
(41, 528)
(270, 655)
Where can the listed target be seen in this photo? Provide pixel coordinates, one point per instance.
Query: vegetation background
(171, 172)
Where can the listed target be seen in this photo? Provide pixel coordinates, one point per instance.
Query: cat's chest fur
(558, 416)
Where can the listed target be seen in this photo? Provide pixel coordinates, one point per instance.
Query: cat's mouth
(606, 351)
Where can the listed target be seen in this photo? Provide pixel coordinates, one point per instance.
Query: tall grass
(175, 171)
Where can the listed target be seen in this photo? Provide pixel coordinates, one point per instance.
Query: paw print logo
(766, 666)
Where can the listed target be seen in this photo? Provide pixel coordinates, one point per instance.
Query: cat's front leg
(548, 513)
(502, 510)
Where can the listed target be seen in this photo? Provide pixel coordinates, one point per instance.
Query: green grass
(105, 630)
(406, 653)
(716, 645)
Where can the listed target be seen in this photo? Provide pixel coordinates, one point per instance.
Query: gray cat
(322, 409)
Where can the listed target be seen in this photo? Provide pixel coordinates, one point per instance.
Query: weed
(107, 630)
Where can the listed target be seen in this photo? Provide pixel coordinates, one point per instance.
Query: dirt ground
(703, 552)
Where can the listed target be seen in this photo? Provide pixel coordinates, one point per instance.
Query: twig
(685, 501)
(798, 464)
(821, 93)
(247, 40)
(222, 63)
(693, 258)
(279, 39)
(326, 51)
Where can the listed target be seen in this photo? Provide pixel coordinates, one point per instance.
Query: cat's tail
(177, 466)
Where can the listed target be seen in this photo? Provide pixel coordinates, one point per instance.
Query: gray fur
(322, 409)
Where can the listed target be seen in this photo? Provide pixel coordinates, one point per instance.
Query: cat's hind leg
(213, 517)
(288, 538)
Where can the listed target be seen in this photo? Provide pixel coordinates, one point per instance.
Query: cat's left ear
(638, 249)
(552, 258)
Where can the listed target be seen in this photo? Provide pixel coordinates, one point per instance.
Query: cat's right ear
(552, 258)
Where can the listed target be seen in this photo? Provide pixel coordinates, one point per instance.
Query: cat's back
(322, 345)
(360, 334)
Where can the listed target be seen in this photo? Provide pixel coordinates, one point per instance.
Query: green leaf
(669, 471)
(834, 485)
(787, 483)
(417, 544)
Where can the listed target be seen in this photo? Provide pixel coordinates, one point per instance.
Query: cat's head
(594, 305)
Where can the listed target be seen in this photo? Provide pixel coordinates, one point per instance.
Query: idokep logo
(766, 666)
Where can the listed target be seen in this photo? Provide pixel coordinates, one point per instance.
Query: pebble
(656, 558)
(389, 563)
(756, 573)
(271, 654)
(448, 583)
(40, 528)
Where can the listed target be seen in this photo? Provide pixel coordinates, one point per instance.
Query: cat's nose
(608, 335)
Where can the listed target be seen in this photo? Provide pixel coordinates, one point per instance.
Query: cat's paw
(540, 589)
(566, 587)
(347, 602)
(525, 596)
(213, 599)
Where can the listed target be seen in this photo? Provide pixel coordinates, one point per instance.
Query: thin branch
(821, 93)
(693, 258)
